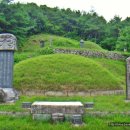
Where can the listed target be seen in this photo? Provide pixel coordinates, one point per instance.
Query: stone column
(7, 48)
(128, 78)
(81, 43)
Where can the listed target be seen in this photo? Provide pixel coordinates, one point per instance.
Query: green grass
(20, 56)
(112, 103)
(117, 68)
(102, 103)
(90, 123)
(64, 72)
(32, 43)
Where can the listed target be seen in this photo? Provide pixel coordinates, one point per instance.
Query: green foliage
(109, 43)
(24, 20)
(45, 51)
(92, 46)
(123, 41)
(20, 56)
(5, 1)
(61, 72)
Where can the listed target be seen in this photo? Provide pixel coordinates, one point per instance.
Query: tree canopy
(24, 20)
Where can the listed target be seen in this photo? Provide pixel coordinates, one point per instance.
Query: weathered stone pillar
(81, 43)
(7, 48)
(128, 78)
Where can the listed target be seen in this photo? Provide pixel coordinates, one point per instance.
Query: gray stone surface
(58, 117)
(77, 119)
(10, 94)
(8, 42)
(89, 105)
(2, 96)
(42, 43)
(26, 105)
(81, 43)
(71, 93)
(68, 117)
(57, 107)
(59, 111)
(128, 78)
(92, 53)
(43, 117)
(6, 69)
(7, 48)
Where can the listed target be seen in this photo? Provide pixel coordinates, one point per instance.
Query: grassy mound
(63, 72)
(56, 41)
(117, 68)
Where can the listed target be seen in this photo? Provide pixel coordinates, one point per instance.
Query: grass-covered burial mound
(63, 72)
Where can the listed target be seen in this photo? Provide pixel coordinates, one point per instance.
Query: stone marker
(7, 48)
(42, 43)
(77, 119)
(81, 43)
(26, 105)
(89, 105)
(128, 78)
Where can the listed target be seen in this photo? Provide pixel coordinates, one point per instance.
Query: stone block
(26, 105)
(77, 119)
(57, 107)
(58, 117)
(89, 105)
(2, 96)
(68, 117)
(8, 95)
(42, 117)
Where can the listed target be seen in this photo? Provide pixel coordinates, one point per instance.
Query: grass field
(117, 68)
(90, 123)
(113, 103)
(68, 72)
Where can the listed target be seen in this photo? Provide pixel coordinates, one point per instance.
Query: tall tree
(123, 42)
(6, 1)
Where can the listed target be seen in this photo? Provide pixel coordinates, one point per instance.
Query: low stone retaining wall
(71, 93)
(96, 113)
(14, 113)
(91, 53)
(100, 113)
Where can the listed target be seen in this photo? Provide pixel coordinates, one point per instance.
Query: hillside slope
(64, 72)
(33, 43)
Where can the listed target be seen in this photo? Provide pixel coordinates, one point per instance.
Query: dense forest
(24, 20)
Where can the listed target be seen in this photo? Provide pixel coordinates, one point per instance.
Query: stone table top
(40, 103)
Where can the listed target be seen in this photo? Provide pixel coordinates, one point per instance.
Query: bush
(20, 56)
(45, 51)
